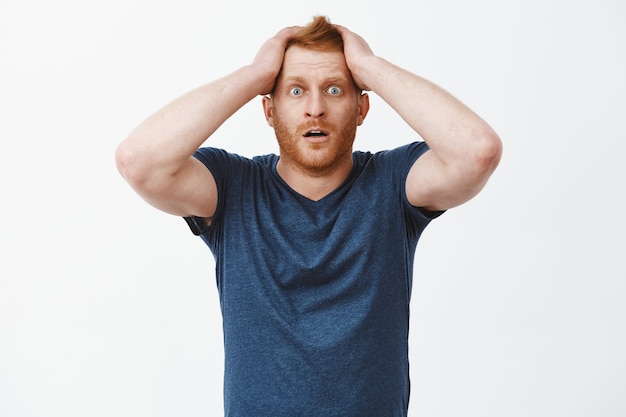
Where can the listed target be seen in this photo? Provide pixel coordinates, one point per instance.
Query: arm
(156, 158)
(464, 150)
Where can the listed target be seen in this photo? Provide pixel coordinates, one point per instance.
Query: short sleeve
(219, 162)
(401, 161)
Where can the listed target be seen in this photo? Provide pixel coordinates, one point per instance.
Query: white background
(109, 307)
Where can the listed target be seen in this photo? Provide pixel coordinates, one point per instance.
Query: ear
(268, 110)
(364, 107)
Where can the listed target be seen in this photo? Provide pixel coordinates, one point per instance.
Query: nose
(315, 105)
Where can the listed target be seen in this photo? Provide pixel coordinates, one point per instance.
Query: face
(315, 110)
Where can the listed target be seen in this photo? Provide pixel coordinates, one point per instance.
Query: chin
(320, 160)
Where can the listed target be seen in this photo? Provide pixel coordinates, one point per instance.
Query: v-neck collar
(303, 198)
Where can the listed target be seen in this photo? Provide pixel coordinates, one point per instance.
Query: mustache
(320, 125)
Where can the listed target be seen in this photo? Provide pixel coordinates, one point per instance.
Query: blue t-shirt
(314, 294)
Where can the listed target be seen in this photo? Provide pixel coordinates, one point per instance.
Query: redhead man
(314, 247)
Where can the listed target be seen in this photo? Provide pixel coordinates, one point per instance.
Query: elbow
(480, 161)
(486, 153)
(128, 165)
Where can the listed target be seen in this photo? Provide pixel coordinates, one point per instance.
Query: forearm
(164, 142)
(450, 128)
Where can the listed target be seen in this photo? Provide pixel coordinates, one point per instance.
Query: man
(314, 247)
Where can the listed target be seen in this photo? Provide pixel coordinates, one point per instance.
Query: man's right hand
(269, 59)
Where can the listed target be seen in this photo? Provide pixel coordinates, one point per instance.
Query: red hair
(319, 35)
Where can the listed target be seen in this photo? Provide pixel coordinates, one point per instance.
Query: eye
(334, 90)
(296, 91)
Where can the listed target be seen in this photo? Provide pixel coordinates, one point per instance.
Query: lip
(321, 136)
(316, 129)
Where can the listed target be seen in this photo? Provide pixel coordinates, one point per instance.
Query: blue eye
(334, 90)
(296, 91)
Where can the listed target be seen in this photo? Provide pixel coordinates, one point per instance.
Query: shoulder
(399, 160)
(406, 153)
(389, 170)
(211, 156)
(221, 162)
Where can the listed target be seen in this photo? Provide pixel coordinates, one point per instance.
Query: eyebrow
(302, 80)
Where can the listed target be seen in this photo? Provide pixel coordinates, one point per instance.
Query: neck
(314, 185)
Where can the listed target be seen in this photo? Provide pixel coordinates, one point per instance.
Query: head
(315, 106)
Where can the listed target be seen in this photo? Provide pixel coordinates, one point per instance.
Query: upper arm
(437, 185)
(191, 191)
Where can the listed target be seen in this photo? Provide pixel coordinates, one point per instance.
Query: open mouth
(315, 134)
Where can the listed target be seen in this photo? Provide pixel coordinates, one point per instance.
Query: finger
(343, 31)
(287, 32)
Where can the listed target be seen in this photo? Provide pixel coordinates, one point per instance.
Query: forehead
(309, 64)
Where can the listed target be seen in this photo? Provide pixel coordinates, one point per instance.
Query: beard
(315, 158)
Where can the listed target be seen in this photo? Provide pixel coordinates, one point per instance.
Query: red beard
(312, 157)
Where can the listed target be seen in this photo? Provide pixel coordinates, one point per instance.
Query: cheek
(281, 130)
(286, 116)
(280, 115)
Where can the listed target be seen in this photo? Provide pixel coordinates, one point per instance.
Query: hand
(269, 59)
(356, 51)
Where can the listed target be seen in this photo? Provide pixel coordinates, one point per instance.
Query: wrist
(369, 72)
(253, 79)
(260, 79)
